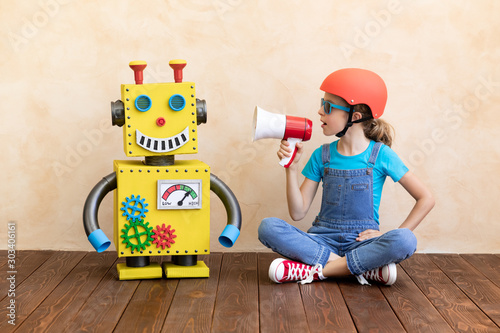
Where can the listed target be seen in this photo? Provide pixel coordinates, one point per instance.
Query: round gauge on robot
(179, 194)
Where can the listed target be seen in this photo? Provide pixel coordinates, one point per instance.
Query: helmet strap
(350, 122)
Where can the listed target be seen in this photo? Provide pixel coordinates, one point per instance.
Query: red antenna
(138, 68)
(177, 65)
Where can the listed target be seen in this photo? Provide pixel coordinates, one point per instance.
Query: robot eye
(177, 102)
(143, 103)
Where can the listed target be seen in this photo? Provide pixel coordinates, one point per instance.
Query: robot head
(159, 118)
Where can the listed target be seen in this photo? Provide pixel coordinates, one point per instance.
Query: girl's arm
(299, 199)
(424, 203)
(424, 200)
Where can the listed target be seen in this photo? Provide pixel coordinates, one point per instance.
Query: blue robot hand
(229, 235)
(99, 240)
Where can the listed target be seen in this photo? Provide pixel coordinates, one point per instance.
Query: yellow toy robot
(161, 206)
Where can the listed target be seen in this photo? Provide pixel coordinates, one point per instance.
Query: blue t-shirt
(388, 164)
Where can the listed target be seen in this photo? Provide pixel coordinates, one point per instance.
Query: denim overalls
(346, 210)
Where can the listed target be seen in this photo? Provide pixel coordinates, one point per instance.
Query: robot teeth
(162, 145)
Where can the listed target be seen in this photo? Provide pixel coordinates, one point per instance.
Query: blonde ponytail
(376, 129)
(379, 130)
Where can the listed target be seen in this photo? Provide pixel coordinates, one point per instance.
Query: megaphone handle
(287, 161)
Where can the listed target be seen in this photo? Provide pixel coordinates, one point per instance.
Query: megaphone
(268, 125)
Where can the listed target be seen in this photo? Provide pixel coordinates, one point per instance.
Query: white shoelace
(371, 275)
(317, 269)
(362, 280)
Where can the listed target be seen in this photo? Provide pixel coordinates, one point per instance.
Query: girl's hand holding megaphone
(286, 150)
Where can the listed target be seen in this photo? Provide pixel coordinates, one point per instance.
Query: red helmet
(358, 86)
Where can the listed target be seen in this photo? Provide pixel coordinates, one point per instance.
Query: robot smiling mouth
(162, 145)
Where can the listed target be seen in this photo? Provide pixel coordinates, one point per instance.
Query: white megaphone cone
(268, 125)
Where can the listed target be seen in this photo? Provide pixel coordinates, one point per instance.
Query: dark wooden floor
(79, 292)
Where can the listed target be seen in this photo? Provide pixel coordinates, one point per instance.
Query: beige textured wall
(63, 62)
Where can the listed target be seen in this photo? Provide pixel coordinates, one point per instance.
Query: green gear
(140, 229)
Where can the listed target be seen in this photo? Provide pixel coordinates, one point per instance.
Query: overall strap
(373, 156)
(325, 155)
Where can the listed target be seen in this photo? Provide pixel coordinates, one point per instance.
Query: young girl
(344, 238)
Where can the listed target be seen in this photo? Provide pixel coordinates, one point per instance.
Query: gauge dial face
(179, 194)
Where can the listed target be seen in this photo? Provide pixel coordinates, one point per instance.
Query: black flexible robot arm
(232, 230)
(95, 235)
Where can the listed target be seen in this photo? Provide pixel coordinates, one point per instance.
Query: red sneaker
(386, 274)
(283, 270)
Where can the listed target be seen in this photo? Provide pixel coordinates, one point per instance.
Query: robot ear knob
(117, 113)
(201, 111)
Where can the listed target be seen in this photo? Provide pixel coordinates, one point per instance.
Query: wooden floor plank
(281, 308)
(325, 307)
(455, 307)
(149, 305)
(104, 307)
(476, 286)
(3, 262)
(38, 286)
(70, 295)
(148, 308)
(487, 264)
(26, 263)
(369, 309)
(193, 304)
(413, 309)
(237, 304)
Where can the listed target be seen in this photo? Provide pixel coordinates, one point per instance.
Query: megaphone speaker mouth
(268, 125)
